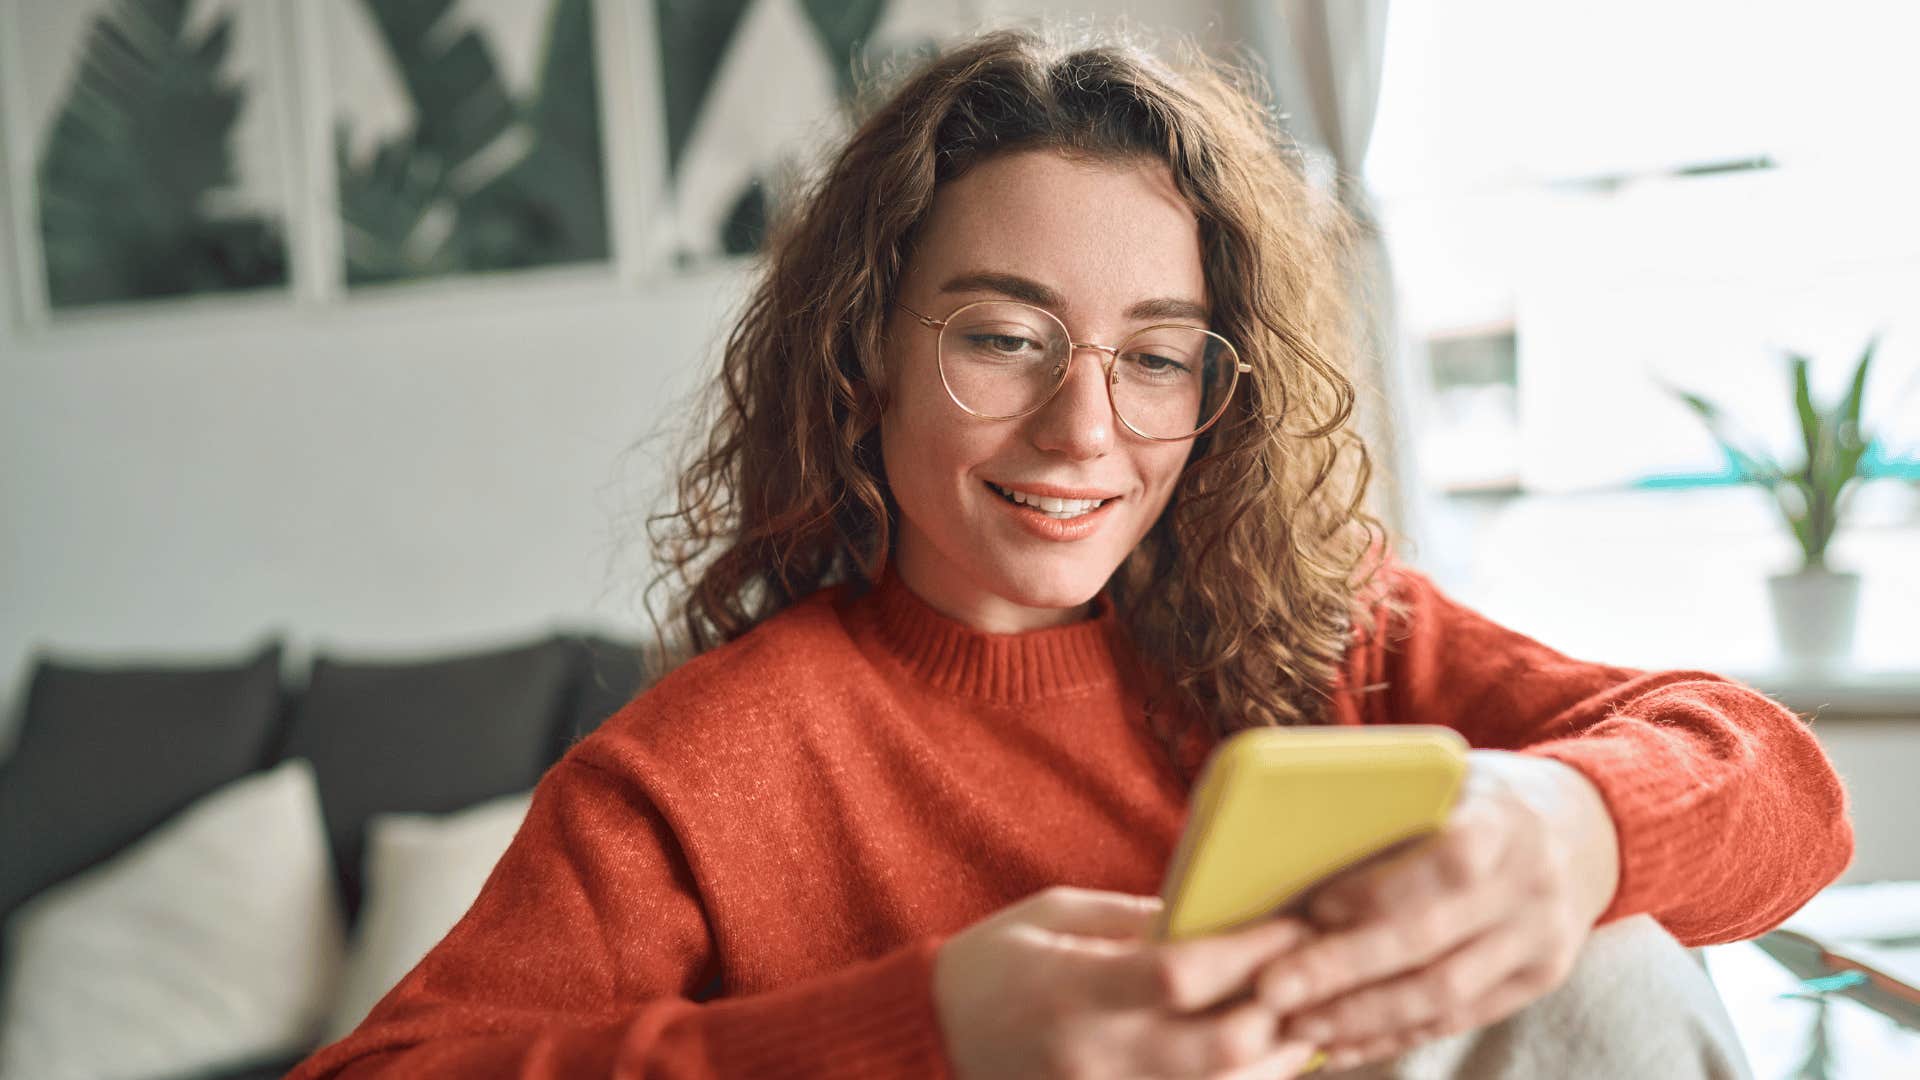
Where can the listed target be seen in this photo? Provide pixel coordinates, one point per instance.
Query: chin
(1044, 586)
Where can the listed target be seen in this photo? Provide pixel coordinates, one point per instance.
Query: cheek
(900, 460)
(922, 450)
(928, 444)
(1160, 470)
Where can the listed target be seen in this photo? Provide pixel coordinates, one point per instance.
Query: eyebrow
(1033, 292)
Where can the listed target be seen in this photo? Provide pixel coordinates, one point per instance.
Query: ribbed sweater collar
(956, 659)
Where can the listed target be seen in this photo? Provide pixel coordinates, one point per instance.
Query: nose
(1078, 421)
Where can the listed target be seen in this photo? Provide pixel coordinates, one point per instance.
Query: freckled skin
(1103, 236)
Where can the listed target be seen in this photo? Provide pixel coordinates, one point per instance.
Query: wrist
(1577, 817)
(1596, 843)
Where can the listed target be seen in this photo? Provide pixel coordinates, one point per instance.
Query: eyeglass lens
(1005, 359)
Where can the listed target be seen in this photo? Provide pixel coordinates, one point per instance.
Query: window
(1585, 201)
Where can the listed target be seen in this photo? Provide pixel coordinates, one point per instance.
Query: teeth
(1059, 508)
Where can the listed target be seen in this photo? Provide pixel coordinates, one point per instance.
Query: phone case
(1278, 809)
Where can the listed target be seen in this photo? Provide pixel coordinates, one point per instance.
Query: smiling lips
(1060, 504)
(1056, 513)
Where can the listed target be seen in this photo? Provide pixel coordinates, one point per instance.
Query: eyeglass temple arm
(925, 320)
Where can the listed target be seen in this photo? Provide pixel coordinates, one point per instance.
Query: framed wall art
(147, 150)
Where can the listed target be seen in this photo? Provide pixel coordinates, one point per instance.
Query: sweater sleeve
(1729, 815)
(580, 956)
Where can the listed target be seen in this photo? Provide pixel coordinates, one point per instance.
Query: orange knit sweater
(806, 813)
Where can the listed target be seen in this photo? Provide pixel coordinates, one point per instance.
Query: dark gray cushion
(611, 673)
(108, 751)
(273, 1069)
(428, 736)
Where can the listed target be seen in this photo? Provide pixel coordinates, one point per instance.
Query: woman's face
(1108, 248)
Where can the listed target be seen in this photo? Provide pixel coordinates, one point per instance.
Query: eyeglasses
(1001, 360)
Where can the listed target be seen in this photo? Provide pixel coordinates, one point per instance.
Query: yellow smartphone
(1277, 810)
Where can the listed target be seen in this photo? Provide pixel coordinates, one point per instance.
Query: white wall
(1877, 758)
(417, 473)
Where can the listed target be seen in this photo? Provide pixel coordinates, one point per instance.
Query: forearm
(1729, 816)
(579, 956)
(872, 1019)
(1726, 814)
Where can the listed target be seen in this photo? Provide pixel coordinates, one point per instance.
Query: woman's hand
(1068, 983)
(1459, 929)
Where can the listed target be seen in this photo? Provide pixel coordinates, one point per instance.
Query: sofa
(211, 869)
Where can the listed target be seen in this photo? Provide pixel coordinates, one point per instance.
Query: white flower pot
(1813, 614)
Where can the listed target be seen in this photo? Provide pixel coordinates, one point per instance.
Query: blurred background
(344, 344)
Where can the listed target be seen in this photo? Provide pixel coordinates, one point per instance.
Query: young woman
(1029, 478)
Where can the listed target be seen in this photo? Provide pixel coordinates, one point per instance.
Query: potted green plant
(1813, 606)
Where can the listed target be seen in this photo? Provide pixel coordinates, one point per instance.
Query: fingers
(1235, 1038)
(1285, 1061)
(1174, 1008)
(1184, 976)
(1237, 1043)
(1122, 998)
(1404, 940)
(1377, 1049)
(1446, 992)
(1203, 971)
(1401, 912)
(1509, 997)
(1466, 852)
(1518, 991)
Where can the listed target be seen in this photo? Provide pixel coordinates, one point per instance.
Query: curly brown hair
(1243, 597)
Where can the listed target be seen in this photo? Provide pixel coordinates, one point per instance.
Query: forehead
(1102, 233)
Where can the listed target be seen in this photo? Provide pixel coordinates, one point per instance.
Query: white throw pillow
(215, 940)
(423, 871)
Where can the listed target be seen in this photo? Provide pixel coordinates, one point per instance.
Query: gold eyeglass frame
(1113, 376)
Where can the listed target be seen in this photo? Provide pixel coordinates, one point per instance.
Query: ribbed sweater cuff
(1661, 842)
(872, 1019)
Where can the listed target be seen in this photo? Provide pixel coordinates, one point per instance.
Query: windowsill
(1838, 694)
(1664, 580)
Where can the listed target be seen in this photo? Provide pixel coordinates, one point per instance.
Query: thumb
(1184, 976)
(1067, 909)
(1207, 970)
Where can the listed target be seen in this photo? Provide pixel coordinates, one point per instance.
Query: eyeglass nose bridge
(1112, 351)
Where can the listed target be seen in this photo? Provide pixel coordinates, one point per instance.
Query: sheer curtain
(1324, 60)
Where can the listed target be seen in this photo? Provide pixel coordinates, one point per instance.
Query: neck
(971, 605)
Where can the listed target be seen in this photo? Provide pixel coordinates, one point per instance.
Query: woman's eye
(1159, 365)
(1009, 344)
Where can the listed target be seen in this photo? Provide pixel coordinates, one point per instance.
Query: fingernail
(1314, 1031)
